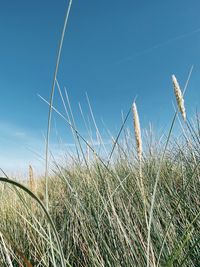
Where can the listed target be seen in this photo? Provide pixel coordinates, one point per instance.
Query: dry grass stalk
(179, 97)
(31, 179)
(138, 140)
(8, 259)
(137, 130)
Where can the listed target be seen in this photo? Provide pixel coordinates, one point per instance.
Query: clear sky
(114, 50)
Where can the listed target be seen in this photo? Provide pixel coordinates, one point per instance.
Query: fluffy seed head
(179, 97)
(137, 130)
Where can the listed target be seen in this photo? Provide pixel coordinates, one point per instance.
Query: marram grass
(100, 221)
(179, 97)
(93, 213)
(137, 130)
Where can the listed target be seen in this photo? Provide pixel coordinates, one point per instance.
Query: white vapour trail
(169, 41)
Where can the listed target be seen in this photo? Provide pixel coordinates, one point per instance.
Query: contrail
(169, 41)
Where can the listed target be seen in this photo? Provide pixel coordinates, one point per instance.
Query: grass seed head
(31, 179)
(179, 97)
(137, 130)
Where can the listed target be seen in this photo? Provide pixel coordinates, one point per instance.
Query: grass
(99, 212)
(127, 208)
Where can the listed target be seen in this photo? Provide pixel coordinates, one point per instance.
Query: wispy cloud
(9, 130)
(15, 143)
(21, 147)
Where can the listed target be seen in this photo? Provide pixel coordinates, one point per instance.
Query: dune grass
(131, 206)
(101, 213)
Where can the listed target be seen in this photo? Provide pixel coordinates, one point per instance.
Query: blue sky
(113, 50)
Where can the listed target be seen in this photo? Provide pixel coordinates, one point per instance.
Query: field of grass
(138, 209)
(136, 205)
